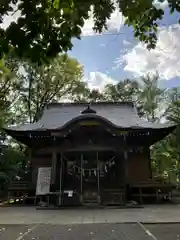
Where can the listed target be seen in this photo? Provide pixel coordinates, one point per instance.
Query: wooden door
(90, 176)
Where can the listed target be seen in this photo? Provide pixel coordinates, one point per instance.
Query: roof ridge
(59, 104)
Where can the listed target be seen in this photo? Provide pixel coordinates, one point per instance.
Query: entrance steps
(90, 198)
(91, 205)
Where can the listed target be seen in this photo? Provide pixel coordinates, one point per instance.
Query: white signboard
(43, 180)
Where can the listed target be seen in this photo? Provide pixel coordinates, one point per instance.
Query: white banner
(43, 180)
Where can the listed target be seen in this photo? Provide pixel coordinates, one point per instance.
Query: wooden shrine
(95, 153)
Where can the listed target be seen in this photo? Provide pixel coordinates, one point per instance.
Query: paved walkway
(148, 214)
(98, 231)
(27, 223)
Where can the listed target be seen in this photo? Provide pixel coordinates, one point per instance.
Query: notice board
(43, 180)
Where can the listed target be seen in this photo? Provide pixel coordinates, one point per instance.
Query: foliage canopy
(45, 28)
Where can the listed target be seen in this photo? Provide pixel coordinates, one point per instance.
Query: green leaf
(56, 3)
(42, 20)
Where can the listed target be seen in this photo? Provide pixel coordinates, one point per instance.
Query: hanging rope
(90, 170)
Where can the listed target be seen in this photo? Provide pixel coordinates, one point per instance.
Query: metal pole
(60, 185)
(81, 197)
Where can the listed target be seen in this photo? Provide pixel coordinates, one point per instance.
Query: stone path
(99, 231)
(149, 223)
(149, 214)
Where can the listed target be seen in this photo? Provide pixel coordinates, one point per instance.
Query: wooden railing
(18, 190)
(151, 189)
(18, 185)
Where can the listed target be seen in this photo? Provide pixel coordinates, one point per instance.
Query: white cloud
(160, 5)
(165, 58)
(11, 17)
(102, 45)
(114, 23)
(126, 43)
(98, 80)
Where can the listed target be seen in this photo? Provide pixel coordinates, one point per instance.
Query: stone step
(91, 205)
(90, 201)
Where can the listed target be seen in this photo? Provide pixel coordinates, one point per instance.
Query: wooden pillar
(126, 173)
(81, 195)
(60, 187)
(125, 166)
(30, 163)
(125, 160)
(54, 163)
(32, 175)
(147, 150)
(98, 177)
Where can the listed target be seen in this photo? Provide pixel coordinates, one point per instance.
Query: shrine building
(95, 153)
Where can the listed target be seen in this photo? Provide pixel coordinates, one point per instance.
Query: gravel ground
(97, 231)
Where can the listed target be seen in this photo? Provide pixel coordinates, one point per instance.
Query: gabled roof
(118, 114)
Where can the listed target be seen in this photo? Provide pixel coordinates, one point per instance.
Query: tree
(46, 83)
(9, 91)
(163, 157)
(84, 94)
(95, 96)
(173, 95)
(45, 28)
(166, 153)
(150, 97)
(152, 104)
(173, 112)
(122, 91)
(80, 93)
(173, 115)
(11, 165)
(10, 158)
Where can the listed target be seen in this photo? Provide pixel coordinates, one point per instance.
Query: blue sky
(99, 53)
(116, 55)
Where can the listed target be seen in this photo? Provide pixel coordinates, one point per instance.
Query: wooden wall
(139, 166)
(41, 161)
(37, 162)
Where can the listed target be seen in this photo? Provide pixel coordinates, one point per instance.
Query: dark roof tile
(123, 115)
